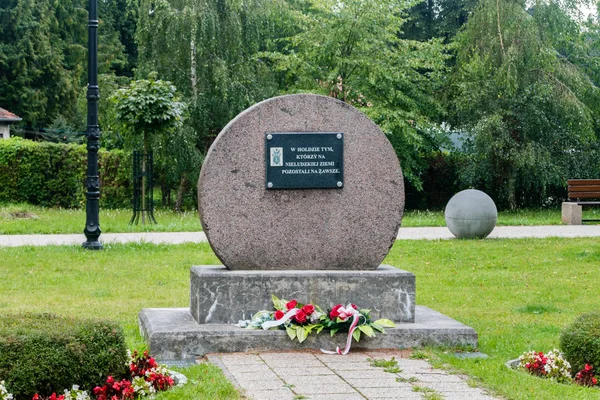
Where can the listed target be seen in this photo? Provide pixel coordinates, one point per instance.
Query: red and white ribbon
(288, 315)
(349, 310)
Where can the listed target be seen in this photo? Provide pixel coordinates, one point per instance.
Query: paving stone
(348, 358)
(265, 384)
(248, 368)
(432, 377)
(367, 374)
(315, 388)
(390, 382)
(409, 363)
(240, 359)
(449, 387)
(317, 380)
(389, 354)
(389, 393)
(290, 363)
(355, 366)
(311, 371)
(291, 356)
(467, 396)
(253, 376)
(330, 396)
(281, 394)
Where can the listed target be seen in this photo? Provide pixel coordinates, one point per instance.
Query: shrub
(43, 353)
(580, 341)
(53, 174)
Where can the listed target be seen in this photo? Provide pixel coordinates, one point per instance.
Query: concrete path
(429, 233)
(316, 376)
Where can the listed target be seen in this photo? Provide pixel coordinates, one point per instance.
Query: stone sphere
(250, 227)
(471, 214)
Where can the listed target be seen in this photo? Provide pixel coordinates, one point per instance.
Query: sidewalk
(429, 233)
(314, 376)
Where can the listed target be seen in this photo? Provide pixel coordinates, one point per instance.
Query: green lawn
(18, 219)
(517, 293)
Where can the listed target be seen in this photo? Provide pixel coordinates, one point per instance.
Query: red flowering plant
(147, 376)
(586, 377)
(552, 365)
(114, 390)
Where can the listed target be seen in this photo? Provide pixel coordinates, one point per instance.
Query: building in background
(7, 118)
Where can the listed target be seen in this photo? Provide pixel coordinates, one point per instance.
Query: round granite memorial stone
(251, 224)
(471, 214)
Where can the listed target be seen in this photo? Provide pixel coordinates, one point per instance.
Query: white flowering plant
(552, 365)
(76, 394)
(4, 395)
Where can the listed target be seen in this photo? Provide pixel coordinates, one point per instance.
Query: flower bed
(147, 378)
(553, 366)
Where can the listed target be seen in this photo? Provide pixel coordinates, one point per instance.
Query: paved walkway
(316, 376)
(429, 233)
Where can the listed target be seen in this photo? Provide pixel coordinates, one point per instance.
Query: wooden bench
(580, 192)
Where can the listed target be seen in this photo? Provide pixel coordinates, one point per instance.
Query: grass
(417, 218)
(517, 293)
(112, 284)
(16, 219)
(20, 219)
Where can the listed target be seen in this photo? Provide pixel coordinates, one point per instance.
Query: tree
(352, 50)
(39, 68)
(437, 19)
(528, 110)
(150, 109)
(206, 48)
(43, 51)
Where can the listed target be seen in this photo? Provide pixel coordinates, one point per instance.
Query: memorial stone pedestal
(300, 196)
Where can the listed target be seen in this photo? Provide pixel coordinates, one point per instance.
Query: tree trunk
(184, 185)
(193, 65)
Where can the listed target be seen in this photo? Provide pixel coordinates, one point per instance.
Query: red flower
(300, 317)
(354, 306)
(308, 309)
(279, 314)
(334, 311)
(36, 397)
(291, 304)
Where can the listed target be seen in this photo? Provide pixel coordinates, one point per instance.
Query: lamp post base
(92, 245)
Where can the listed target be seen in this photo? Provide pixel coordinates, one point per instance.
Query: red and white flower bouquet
(300, 320)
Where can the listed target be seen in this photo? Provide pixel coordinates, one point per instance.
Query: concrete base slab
(571, 213)
(173, 334)
(222, 296)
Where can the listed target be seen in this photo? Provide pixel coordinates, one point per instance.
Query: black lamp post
(92, 222)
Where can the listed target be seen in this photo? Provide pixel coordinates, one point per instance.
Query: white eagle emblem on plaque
(276, 156)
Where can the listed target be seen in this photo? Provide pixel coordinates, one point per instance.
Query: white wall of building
(4, 131)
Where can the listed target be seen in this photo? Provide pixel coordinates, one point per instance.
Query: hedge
(44, 353)
(580, 342)
(53, 174)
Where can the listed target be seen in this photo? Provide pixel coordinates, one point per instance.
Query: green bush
(43, 353)
(580, 342)
(53, 174)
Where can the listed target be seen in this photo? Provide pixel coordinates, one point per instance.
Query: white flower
(4, 395)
